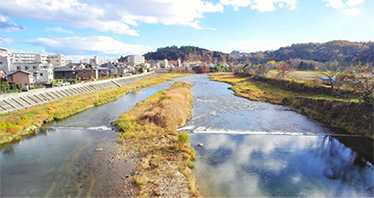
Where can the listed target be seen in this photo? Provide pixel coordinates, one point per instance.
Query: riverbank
(342, 116)
(19, 124)
(149, 132)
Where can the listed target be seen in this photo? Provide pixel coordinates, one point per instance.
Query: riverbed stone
(99, 149)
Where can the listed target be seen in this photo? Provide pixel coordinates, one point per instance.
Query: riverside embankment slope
(15, 101)
(18, 124)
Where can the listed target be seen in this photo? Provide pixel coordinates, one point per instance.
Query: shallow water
(249, 149)
(62, 160)
(256, 149)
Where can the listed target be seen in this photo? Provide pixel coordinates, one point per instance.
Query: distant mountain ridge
(189, 54)
(337, 50)
(346, 52)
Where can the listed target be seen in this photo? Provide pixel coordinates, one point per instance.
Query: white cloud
(338, 4)
(7, 41)
(8, 25)
(352, 12)
(102, 45)
(260, 5)
(59, 29)
(112, 15)
(258, 45)
(334, 4)
(354, 2)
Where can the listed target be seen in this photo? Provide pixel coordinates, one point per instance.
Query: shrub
(183, 137)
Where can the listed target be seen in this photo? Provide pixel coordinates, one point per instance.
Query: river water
(250, 149)
(256, 149)
(62, 160)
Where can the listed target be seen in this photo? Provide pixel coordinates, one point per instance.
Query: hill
(339, 50)
(189, 54)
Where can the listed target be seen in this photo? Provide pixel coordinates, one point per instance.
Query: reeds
(166, 157)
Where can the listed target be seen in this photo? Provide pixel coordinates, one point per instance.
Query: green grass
(257, 90)
(18, 124)
(298, 75)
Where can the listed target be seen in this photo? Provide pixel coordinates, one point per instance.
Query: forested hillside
(189, 54)
(342, 51)
(345, 52)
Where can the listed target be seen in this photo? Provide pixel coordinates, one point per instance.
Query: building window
(18, 68)
(26, 68)
(34, 67)
(1, 62)
(41, 74)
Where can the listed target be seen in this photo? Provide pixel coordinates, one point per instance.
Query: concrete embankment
(16, 101)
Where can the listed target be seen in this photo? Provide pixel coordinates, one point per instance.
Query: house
(20, 77)
(65, 72)
(100, 72)
(111, 67)
(93, 73)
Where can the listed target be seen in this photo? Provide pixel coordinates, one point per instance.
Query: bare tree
(330, 71)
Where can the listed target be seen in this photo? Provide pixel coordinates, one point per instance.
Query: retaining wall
(15, 101)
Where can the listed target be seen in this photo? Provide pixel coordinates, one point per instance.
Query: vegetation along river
(250, 149)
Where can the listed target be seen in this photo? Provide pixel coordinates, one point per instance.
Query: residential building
(57, 60)
(67, 62)
(20, 77)
(164, 63)
(4, 61)
(36, 64)
(65, 72)
(136, 59)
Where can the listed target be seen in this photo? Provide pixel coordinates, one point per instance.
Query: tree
(4, 86)
(200, 69)
(283, 69)
(361, 81)
(330, 71)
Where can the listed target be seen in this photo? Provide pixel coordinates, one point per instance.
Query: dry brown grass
(18, 124)
(166, 157)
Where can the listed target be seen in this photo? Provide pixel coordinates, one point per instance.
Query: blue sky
(83, 28)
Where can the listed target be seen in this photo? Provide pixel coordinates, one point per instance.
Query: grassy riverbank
(16, 125)
(340, 115)
(247, 87)
(149, 131)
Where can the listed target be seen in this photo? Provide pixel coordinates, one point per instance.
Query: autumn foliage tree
(200, 69)
(283, 69)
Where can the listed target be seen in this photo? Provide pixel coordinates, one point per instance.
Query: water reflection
(290, 166)
(244, 154)
(217, 110)
(61, 161)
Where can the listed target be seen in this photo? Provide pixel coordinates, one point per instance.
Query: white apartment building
(98, 61)
(4, 60)
(164, 63)
(57, 60)
(136, 59)
(37, 64)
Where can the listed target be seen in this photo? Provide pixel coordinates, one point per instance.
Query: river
(250, 149)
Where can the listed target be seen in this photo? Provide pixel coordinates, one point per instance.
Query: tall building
(136, 59)
(38, 65)
(57, 60)
(4, 60)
